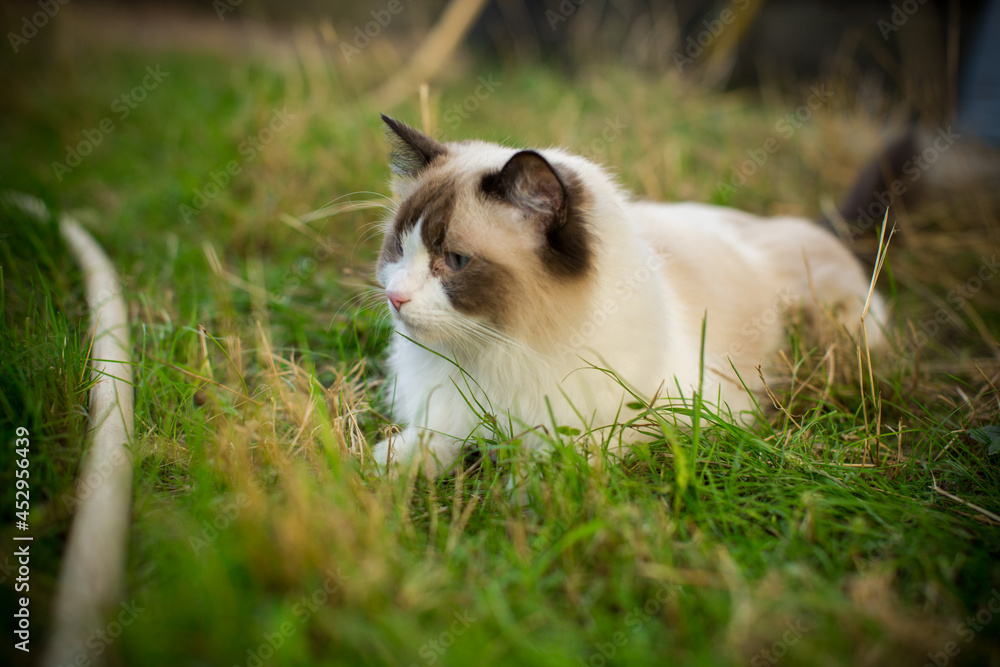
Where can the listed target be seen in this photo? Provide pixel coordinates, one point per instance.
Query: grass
(43, 387)
(821, 535)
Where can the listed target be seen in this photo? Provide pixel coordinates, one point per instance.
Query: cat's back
(721, 237)
(738, 264)
(695, 226)
(698, 240)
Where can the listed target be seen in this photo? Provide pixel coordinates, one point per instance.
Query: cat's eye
(399, 245)
(455, 261)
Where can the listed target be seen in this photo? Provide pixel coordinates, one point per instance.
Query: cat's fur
(567, 275)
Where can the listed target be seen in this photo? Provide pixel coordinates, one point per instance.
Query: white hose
(91, 580)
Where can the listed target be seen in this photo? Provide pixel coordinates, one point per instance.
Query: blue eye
(455, 261)
(399, 245)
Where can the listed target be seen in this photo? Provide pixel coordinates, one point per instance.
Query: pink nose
(397, 300)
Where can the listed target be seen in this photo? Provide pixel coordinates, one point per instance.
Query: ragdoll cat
(517, 278)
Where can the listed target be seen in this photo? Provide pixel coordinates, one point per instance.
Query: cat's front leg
(432, 452)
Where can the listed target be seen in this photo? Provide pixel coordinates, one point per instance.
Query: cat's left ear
(412, 150)
(530, 183)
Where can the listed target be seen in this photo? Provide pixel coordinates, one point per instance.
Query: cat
(527, 285)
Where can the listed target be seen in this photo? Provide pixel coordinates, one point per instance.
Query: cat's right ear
(412, 150)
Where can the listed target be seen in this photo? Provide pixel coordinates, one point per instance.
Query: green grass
(43, 388)
(258, 529)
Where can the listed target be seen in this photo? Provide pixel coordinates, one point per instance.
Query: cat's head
(483, 239)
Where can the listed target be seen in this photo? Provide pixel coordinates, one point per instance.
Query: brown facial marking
(568, 252)
(482, 286)
(552, 199)
(434, 202)
(481, 289)
(388, 253)
(434, 198)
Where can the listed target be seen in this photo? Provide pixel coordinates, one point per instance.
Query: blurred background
(909, 68)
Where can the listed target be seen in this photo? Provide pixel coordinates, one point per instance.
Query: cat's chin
(417, 332)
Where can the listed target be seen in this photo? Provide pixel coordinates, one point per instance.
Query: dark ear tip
(531, 162)
(412, 150)
(529, 155)
(529, 159)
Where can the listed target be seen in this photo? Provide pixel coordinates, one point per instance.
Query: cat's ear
(412, 150)
(530, 183)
